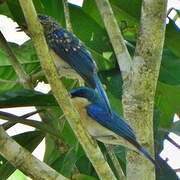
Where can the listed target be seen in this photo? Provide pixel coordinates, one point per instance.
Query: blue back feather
(116, 124)
(112, 122)
(80, 60)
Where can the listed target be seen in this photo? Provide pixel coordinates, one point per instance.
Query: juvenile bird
(71, 56)
(109, 129)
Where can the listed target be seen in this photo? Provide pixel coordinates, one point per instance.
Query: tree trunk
(140, 86)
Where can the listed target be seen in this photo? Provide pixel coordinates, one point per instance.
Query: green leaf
(16, 11)
(66, 162)
(133, 8)
(85, 167)
(159, 135)
(176, 128)
(113, 86)
(167, 102)
(166, 172)
(83, 177)
(17, 175)
(53, 151)
(26, 97)
(52, 8)
(29, 140)
(170, 68)
(4, 9)
(26, 55)
(172, 38)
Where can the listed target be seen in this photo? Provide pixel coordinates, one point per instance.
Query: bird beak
(21, 28)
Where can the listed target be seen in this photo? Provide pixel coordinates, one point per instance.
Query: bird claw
(21, 28)
(18, 29)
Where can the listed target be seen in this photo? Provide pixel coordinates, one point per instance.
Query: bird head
(84, 92)
(44, 19)
(48, 23)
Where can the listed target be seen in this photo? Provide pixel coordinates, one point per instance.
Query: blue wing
(71, 50)
(116, 124)
(112, 122)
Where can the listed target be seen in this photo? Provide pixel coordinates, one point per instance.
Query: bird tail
(102, 93)
(146, 154)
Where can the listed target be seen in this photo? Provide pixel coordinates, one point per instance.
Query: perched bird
(109, 129)
(71, 56)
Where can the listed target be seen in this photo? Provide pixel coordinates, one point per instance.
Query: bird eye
(43, 17)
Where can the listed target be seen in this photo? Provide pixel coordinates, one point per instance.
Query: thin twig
(116, 38)
(173, 142)
(164, 130)
(116, 163)
(177, 170)
(90, 147)
(37, 76)
(23, 77)
(67, 15)
(36, 124)
(24, 160)
(9, 81)
(9, 124)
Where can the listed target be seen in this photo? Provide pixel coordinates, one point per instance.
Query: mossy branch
(60, 93)
(67, 15)
(116, 163)
(24, 160)
(116, 38)
(139, 93)
(35, 167)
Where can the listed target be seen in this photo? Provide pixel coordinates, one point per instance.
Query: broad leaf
(26, 56)
(176, 128)
(17, 175)
(170, 68)
(172, 38)
(166, 172)
(167, 101)
(83, 177)
(25, 97)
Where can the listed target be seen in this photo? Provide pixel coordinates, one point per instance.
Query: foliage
(88, 26)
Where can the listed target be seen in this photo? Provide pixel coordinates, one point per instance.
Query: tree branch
(177, 170)
(23, 77)
(173, 142)
(138, 97)
(24, 160)
(116, 38)
(8, 124)
(36, 124)
(60, 93)
(67, 15)
(116, 163)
